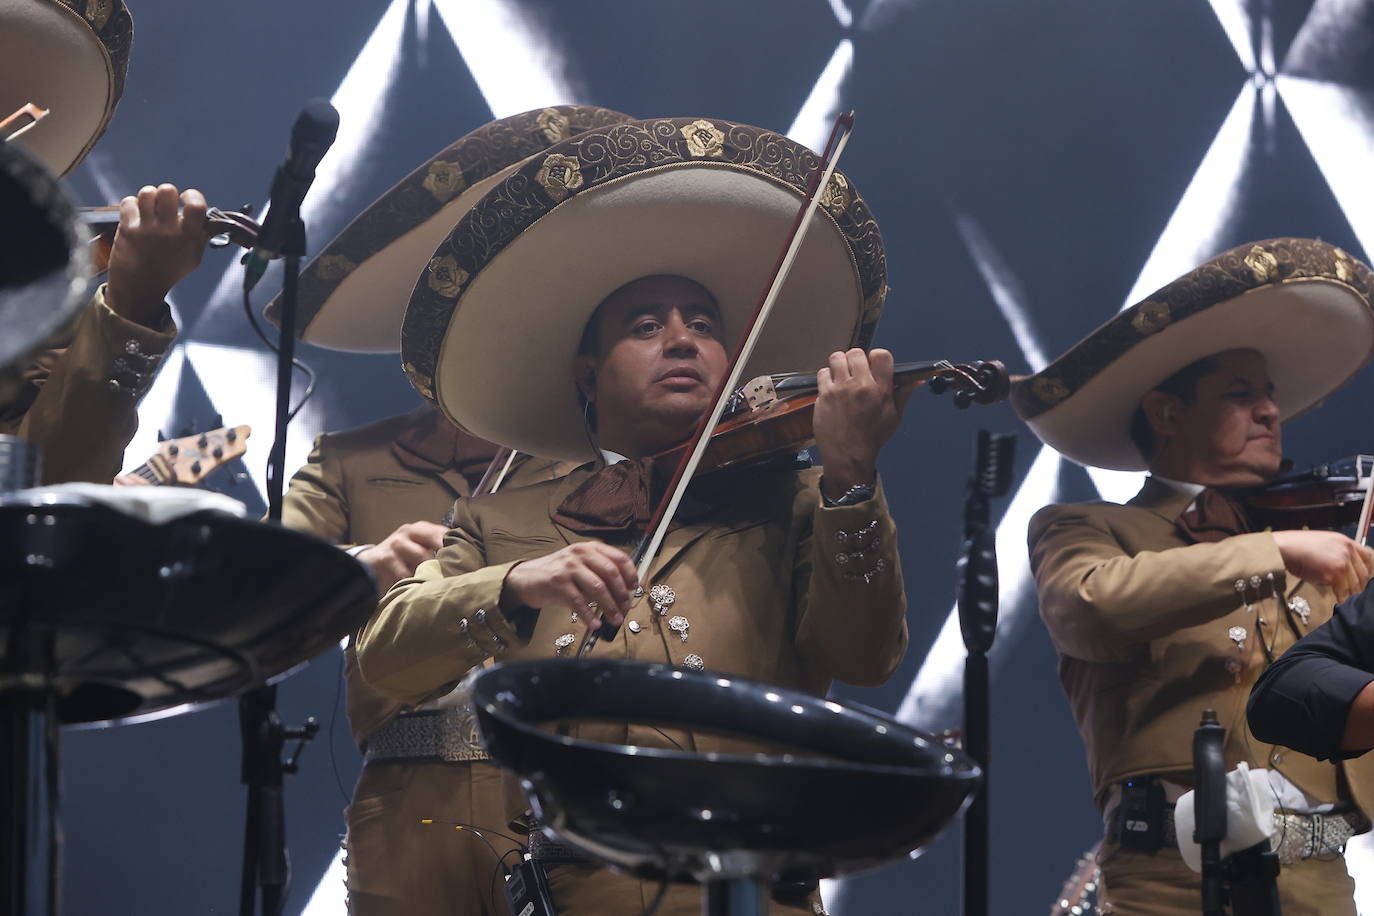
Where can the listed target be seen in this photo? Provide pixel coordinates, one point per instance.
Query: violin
(771, 415)
(224, 227)
(1327, 496)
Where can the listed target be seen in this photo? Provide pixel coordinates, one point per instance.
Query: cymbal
(43, 275)
(121, 617)
(835, 788)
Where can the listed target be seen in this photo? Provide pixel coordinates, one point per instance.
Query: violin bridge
(760, 392)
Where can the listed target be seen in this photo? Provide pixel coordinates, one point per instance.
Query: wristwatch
(859, 492)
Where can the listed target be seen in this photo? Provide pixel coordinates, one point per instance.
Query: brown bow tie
(1214, 516)
(432, 443)
(613, 500)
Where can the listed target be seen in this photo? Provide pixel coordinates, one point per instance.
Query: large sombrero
(1304, 304)
(493, 326)
(354, 292)
(70, 57)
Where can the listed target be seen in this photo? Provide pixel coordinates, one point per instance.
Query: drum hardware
(877, 790)
(105, 616)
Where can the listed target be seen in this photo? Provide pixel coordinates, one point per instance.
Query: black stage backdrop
(1034, 166)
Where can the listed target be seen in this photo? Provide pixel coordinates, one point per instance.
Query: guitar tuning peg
(203, 441)
(232, 435)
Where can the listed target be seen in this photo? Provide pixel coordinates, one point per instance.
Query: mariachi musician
(381, 490)
(598, 289)
(1174, 602)
(81, 391)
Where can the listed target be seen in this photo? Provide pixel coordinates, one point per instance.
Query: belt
(447, 735)
(1296, 836)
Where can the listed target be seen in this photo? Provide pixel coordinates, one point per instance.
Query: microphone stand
(978, 596)
(264, 839)
(1209, 828)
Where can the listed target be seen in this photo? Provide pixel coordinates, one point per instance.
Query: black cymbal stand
(978, 623)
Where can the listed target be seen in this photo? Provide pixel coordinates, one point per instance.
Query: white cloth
(1250, 804)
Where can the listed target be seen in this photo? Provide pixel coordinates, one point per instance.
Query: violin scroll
(981, 382)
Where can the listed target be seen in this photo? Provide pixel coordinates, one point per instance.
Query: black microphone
(311, 136)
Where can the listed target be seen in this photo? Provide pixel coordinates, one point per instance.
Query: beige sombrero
(70, 57)
(493, 325)
(354, 292)
(1304, 304)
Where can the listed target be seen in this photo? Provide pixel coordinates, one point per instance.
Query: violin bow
(1362, 529)
(644, 555)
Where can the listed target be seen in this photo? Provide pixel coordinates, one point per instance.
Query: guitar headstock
(187, 461)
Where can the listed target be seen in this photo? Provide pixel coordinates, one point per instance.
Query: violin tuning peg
(938, 384)
(963, 399)
(246, 209)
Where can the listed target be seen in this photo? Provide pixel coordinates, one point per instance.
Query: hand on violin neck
(161, 239)
(857, 411)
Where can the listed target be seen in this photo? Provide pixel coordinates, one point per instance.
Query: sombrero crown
(353, 293)
(493, 325)
(69, 57)
(1305, 305)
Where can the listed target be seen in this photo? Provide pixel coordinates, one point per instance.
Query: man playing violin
(1174, 602)
(788, 576)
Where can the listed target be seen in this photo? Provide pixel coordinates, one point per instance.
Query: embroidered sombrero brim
(353, 294)
(1304, 304)
(492, 328)
(69, 57)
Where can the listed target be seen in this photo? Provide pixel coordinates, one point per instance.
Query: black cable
(500, 867)
(334, 718)
(268, 342)
(658, 899)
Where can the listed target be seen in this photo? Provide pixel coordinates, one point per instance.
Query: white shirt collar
(1182, 486)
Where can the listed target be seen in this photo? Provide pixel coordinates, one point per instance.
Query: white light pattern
(1116, 486)
(1337, 123)
(514, 61)
(843, 15)
(242, 385)
(1200, 223)
(360, 100)
(816, 118)
(155, 412)
(1235, 22)
(1005, 289)
(330, 894)
(934, 698)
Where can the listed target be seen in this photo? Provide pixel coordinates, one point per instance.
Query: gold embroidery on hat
(874, 303)
(1345, 270)
(334, 267)
(418, 380)
(553, 125)
(445, 276)
(559, 175)
(98, 13)
(1150, 317)
(704, 139)
(1050, 390)
(1263, 263)
(444, 180)
(836, 196)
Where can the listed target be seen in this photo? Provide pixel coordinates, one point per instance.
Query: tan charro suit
(760, 583)
(79, 397)
(1143, 622)
(354, 490)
